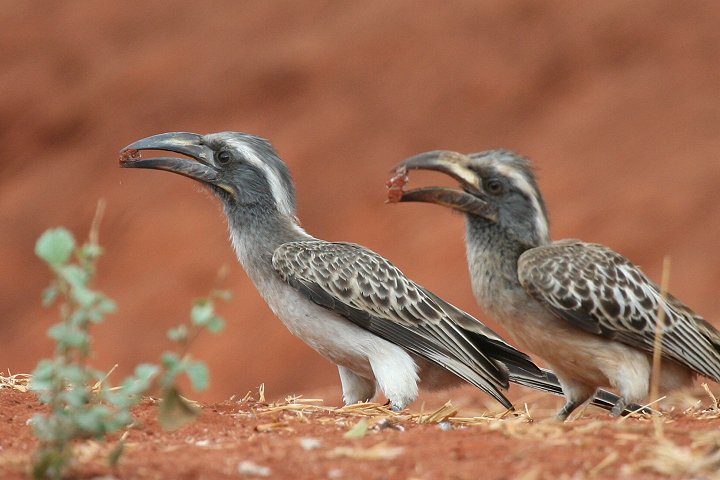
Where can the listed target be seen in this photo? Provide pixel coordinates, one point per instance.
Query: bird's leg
(355, 388)
(619, 407)
(567, 409)
(575, 395)
(632, 379)
(396, 375)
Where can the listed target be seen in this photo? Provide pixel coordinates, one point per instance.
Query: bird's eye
(494, 187)
(223, 157)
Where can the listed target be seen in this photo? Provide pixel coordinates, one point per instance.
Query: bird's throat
(492, 259)
(255, 233)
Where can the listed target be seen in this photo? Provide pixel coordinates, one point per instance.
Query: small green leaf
(83, 296)
(78, 375)
(106, 305)
(43, 376)
(74, 275)
(358, 430)
(112, 421)
(79, 318)
(38, 421)
(95, 316)
(91, 250)
(75, 397)
(91, 419)
(145, 371)
(68, 337)
(44, 370)
(198, 374)
(173, 367)
(120, 419)
(170, 360)
(202, 311)
(175, 411)
(49, 295)
(178, 334)
(215, 324)
(55, 246)
(135, 385)
(123, 397)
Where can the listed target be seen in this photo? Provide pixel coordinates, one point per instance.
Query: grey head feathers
(510, 183)
(252, 163)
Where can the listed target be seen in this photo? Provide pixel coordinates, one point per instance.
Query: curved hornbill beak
(468, 199)
(199, 168)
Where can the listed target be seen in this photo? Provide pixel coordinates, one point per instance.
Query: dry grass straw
(657, 346)
(98, 385)
(606, 462)
(17, 381)
(94, 234)
(702, 456)
(665, 456)
(374, 413)
(628, 448)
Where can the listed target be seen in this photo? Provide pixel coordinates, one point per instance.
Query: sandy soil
(306, 439)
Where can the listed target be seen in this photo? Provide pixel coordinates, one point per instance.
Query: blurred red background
(618, 103)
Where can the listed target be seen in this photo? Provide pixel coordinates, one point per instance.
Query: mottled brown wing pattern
(358, 277)
(373, 293)
(602, 292)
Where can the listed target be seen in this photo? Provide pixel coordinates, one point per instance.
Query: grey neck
(492, 259)
(256, 231)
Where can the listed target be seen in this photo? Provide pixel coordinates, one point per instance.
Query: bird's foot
(395, 407)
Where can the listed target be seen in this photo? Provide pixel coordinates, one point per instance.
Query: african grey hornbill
(585, 309)
(348, 303)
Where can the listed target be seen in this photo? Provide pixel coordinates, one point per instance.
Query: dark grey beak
(199, 168)
(468, 200)
(448, 162)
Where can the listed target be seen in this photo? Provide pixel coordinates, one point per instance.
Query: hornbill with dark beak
(351, 305)
(586, 310)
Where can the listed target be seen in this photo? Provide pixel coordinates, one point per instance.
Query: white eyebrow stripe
(522, 184)
(283, 202)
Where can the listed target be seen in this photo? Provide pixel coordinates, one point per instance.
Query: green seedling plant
(81, 401)
(175, 411)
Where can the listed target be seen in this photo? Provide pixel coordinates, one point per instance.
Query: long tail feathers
(548, 382)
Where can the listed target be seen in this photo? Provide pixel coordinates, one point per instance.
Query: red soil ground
(616, 102)
(252, 439)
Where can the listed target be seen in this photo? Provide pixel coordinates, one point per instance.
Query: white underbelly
(331, 335)
(591, 359)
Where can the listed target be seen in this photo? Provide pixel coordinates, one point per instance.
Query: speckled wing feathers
(601, 292)
(372, 293)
